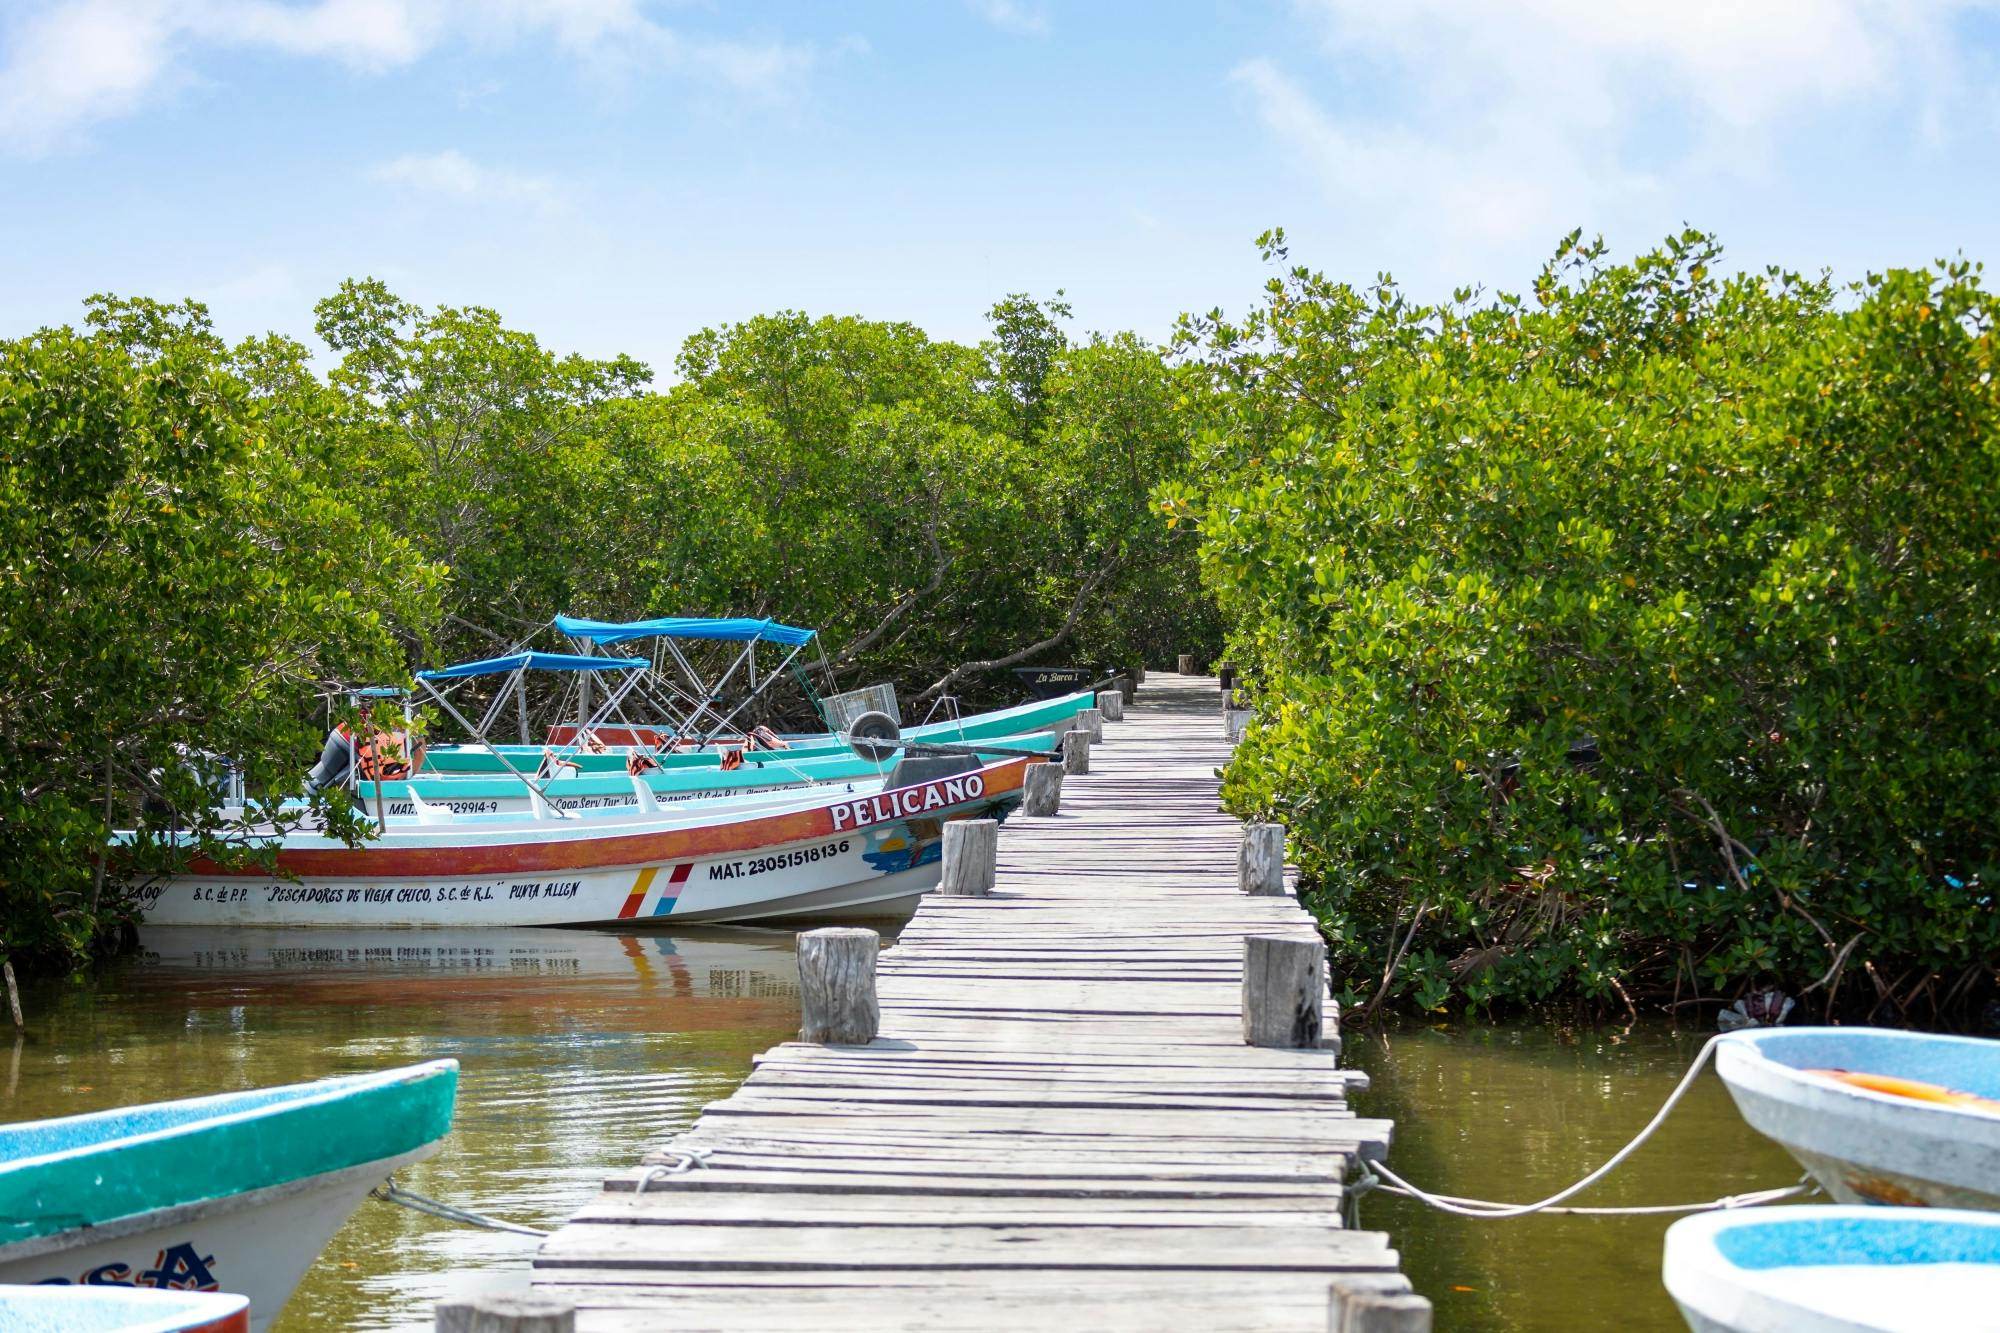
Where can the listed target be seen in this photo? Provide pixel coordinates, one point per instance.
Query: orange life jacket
(387, 756)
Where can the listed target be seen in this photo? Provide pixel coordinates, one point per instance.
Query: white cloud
(1476, 134)
(71, 64)
(1010, 16)
(452, 175)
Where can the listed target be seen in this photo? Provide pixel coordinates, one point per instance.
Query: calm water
(577, 1052)
(1516, 1113)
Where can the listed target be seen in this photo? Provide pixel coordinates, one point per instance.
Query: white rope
(1749, 1200)
(1487, 1208)
(390, 1192)
(685, 1160)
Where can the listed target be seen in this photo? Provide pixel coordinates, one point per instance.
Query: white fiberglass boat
(808, 851)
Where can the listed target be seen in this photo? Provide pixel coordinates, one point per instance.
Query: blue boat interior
(43, 1138)
(1967, 1064)
(102, 1309)
(1888, 1239)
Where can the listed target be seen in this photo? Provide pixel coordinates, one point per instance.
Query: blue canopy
(494, 666)
(682, 627)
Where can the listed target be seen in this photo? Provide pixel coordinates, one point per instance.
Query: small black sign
(1054, 682)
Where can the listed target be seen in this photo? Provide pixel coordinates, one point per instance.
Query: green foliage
(196, 540)
(175, 576)
(1637, 637)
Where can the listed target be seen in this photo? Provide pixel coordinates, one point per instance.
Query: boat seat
(427, 813)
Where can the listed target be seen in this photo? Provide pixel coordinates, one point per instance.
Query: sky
(612, 175)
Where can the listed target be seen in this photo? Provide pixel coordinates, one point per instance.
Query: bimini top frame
(694, 709)
(439, 684)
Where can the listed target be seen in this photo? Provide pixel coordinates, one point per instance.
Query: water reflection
(577, 1051)
(1518, 1112)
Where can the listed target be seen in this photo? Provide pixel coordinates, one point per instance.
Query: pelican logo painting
(894, 848)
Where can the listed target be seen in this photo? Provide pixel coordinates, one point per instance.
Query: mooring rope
(685, 1160)
(390, 1192)
(1374, 1173)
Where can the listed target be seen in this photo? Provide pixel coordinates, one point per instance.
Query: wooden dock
(1059, 1123)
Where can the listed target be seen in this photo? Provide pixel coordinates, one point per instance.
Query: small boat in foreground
(1876, 1116)
(1805, 1269)
(120, 1310)
(237, 1192)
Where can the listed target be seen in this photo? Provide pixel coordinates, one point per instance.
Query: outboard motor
(336, 761)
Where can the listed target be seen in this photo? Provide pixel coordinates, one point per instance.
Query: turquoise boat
(462, 785)
(237, 1192)
(1049, 717)
(120, 1310)
(1844, 1269)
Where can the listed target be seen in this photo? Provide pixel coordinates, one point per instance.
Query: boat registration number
(759, 865)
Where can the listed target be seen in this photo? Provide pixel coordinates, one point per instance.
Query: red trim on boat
(371, 861)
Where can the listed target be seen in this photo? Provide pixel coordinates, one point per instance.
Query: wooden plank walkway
(1059, 1122)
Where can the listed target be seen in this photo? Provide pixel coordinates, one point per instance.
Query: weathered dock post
(971, 850)
(1111, 704)
(1138, 676)
(512, 1312)
(1225, 676)
(837, 1005)
(1076, 753)
(1042, 791)
(1092, 721)
(1187, 664)
(1260, 861)
(1361, 1308)
(1284, 981)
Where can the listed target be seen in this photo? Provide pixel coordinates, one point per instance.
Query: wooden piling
(1128, 687)
(971, 847)
(1111, 705)
(1362, 1310)
(1225, 676)
(1260, 860)
(512, 1312)
(1076, 753)
(1234, 721)
(1187, 664)
(1284, 981)
(837, 1005)
(1042, 794)
(1092, 721)
(13, 996)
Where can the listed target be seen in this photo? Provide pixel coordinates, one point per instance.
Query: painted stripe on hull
(538, 852)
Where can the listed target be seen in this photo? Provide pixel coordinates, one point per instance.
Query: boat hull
(846, 856)
(257, 1244)
(1864, 1146)
(1811, 1269)
(113, 1310)
(234, 1192)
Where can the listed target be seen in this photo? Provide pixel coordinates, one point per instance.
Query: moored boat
(237, 1192)
(120, 1310)
(816, 851)
(1876, 1116)
(459, 782)
(1806, 1269)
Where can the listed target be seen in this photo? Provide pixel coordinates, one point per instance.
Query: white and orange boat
(1876, 1116)
(865, 848)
